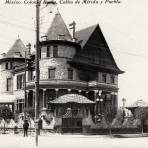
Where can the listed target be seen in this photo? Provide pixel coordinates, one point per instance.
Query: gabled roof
(72, 98)
(58, 28)
(18, 47)
(138, 103)
(83, 35)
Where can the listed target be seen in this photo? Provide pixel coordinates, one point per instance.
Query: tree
(141, 113)
(5, 114)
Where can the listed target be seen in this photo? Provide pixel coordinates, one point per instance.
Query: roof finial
(18, 36)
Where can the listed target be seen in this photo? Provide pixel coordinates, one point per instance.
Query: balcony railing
(95, 84)
(59, 82)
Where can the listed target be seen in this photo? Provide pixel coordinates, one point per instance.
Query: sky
(124, 25)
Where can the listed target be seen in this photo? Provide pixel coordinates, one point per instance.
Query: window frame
(104, 78)
(48, 51)
(70, 73)
(9, 84)
(20, 81)
(112, 79)
(50, 74)
(55, 51)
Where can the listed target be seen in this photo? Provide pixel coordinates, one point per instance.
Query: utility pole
(73, 27)
(25, 97)
(37, 70)
(37, 55)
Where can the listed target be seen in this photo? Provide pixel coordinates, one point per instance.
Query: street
(72, 141)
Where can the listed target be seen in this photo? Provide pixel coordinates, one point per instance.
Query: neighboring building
(15, 56)
(139, 110)
(78, 78)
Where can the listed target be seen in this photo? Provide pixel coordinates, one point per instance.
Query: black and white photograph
(73, 73)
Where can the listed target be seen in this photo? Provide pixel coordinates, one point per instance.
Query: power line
(121, 51)
(16, 25)
(18, 20)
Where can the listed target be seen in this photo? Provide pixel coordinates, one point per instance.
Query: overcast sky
(124, 25)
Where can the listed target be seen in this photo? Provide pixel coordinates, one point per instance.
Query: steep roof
(72, 98)
(58, 28)
(83, 35)
(138, 103)
(18, 47)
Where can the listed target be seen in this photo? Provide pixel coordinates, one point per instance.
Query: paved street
(72, 141)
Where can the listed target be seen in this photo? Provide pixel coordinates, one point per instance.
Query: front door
(72, 125)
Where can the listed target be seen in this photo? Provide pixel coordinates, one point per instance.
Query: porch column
(44, 95)
(26, 101)
(95, 100)
(56, 92)
(33, 97)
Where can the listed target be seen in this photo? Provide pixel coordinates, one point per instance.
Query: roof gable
(58, 28)
(17, 48)
(95, 47)
(83, 35)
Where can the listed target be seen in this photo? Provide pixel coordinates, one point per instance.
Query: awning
(7, 98)
(72, 98)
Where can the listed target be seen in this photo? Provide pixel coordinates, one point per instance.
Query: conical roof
(58, 28)
(18, 47)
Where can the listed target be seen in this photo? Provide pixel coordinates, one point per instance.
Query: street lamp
(124, 101)
(99, 101)
(25, 96)
(52, 4)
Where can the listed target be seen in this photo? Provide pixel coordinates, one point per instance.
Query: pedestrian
(25, 127)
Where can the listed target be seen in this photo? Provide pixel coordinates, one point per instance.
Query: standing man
(25, 127)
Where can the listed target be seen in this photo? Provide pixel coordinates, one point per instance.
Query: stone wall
(61, 68)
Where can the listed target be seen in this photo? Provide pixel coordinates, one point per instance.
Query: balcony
(59, 83)
(107, 86)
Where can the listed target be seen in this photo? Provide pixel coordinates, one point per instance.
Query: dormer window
(61, 37)
(17, 54)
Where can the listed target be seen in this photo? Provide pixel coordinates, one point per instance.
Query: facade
(78, 77)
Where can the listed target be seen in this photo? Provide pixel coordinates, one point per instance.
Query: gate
(71, 125)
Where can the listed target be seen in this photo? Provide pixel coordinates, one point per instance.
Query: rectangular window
(55, 51)
(6, 65)
(9, 84)
(9, 65)
(20, 81)
(104, 78)
(30, 75)
(112, 79)
(70, 74)
(51, 73)
(48, 51)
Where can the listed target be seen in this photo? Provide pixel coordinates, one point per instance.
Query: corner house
(78, 77)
